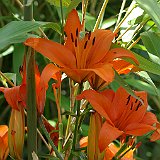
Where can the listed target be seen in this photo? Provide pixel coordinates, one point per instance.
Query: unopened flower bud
(16, 133)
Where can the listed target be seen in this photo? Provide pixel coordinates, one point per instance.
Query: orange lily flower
(17, 94)
(124, 114)
(121, 66)
(82, 57)
(4, 150)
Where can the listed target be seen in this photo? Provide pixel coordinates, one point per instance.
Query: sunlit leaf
(152, 8)
(16, 31)
(65, 3)
(151, 40)
(122, 83)
(108, 23)
(55, 26)
(147, 65)
(144, 75)
(17, 60)
(73, 4)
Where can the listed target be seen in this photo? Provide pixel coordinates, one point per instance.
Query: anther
(89, 35)
(128, 99)
(77, 32)
(136, 101)
(75, 42)
(72, 37)
(85, 45)
(131, 105)
(93, 42)
(139, 104)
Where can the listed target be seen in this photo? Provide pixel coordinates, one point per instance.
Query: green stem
(78, 103)
(31, 90)
(60, 142)
(100, 16)
(49, 139)
(31, 104)
(62, 23)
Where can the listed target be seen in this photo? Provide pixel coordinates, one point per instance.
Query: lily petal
(102, 44)
(108, 134)
(105, 72)
(138, 129)
(12, 96)
(122, 67)
(101, 104)
(72, 28)
(120, 53)
(149, 118)
(56, 52)
(48, 72)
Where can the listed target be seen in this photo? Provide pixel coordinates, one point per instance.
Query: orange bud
(16, 133)
(4, 150)
(93, 151)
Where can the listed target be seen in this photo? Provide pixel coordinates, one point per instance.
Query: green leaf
(7, 52)
(152, 8)
(147, 65)
(73, 5)
(64, 99)
(17, 60)
(108, 23)
(65, 3)
(151, 41)
(16, 31)
(141, 85)
(89, 21)
(122, 83)
(55, 26)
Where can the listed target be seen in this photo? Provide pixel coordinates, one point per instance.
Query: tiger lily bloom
(124, 114)
(17, 94)
(80, 57)
(4, 150)
(121, 66)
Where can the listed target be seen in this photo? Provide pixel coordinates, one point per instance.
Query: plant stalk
(76, 130)
(100, 16)
(49, 139)
(31, 90)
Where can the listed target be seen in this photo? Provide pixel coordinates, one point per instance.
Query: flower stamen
(128, 99)
(77, 32)
(72, 37)
(85, 45)
(93, 42)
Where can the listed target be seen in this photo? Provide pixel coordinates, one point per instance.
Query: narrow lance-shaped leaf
(122, 83)
(16, 32)
(147, 65)
(151, 41)
(56, 3)
(151, 7)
